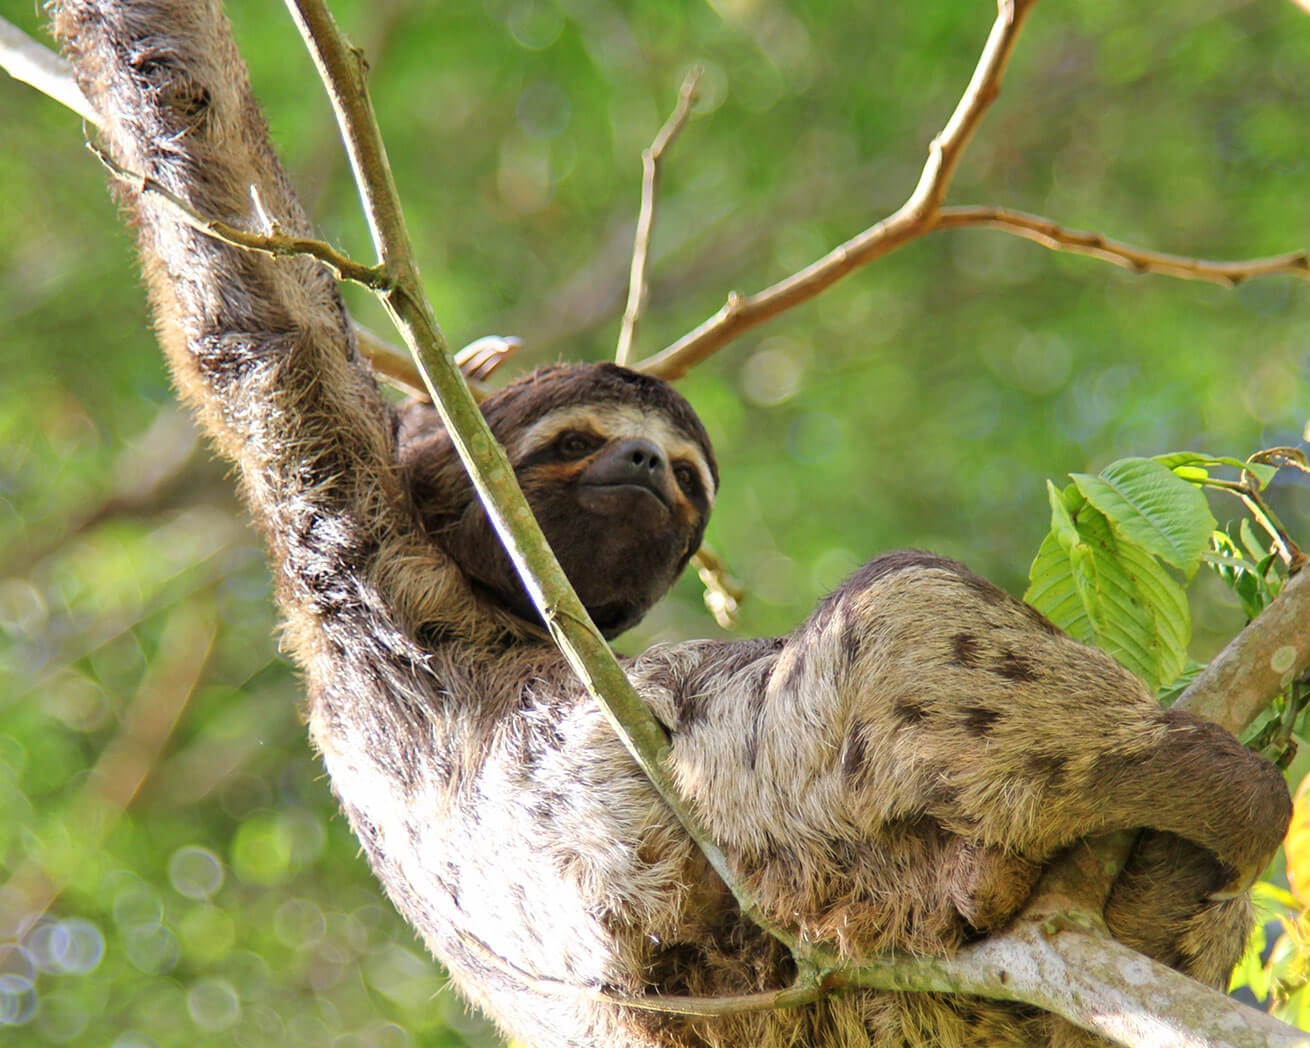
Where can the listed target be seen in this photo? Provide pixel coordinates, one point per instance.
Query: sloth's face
(621, 481)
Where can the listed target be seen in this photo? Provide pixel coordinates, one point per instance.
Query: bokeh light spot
(196, 872)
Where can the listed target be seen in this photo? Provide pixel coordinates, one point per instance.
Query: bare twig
(1141, 260)
(923, 213)
(650, 174)
(276, 244)
(911, 220)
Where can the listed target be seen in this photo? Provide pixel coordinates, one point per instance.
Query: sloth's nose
(635, 461)
(642, 456)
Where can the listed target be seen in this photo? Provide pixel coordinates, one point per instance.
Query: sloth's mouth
(612, 497)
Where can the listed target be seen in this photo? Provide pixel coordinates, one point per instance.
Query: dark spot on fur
(1014, 667)
(855, 754)
(690, 706)
(1114, 767)
(753, 737)
(695, 693)
(848, 855)
(965, 649)
(909, 713)
(1049, 768)
(979, 720)
(852, 640)
(940, 796)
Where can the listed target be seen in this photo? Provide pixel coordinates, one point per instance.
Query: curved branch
(1056, 237)
(911, 220)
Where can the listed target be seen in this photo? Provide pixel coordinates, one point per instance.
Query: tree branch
(1257, 664)
(33, 63)
(274, 243)
(1055, 237)
(923, 213)
(911, 220)
(342, 71)
(650, 167)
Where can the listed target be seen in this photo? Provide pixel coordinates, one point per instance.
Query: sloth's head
(618, 470)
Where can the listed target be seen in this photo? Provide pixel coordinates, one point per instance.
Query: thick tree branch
(1259, 663)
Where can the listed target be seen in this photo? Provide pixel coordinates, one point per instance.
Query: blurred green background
(157, 794)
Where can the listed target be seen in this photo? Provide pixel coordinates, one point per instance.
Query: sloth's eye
(688, 479)
(576, 445)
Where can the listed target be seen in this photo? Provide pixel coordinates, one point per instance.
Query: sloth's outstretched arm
(260, 348)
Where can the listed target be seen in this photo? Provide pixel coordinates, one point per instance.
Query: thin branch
(923, 213)
(911, 220)
(586, 651)
(344, 70)
(276, 244)
(33, 63)
(650, 174)
(1140, 260)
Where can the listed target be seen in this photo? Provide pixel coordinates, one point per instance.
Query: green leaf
(1062, 526)
(1106, 591)
(1150, 507)
(1195, 466)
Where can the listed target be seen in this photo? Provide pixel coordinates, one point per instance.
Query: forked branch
(923, 213)
(911, 220)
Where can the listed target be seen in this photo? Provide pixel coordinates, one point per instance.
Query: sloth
(893, 774)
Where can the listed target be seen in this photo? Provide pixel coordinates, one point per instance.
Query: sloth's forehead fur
(617, 422)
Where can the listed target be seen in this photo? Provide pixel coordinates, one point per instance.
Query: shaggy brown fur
(892, 774)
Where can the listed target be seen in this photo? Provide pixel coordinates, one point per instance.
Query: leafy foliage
(1102, 574)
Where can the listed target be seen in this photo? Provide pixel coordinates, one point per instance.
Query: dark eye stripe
(557, 449)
